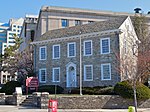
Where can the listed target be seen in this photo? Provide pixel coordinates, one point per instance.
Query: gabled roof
(110, 24)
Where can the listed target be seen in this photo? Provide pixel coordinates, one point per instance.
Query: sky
(19, 8)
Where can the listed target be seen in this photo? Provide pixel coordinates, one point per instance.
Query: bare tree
(134, 57)
(20, 63)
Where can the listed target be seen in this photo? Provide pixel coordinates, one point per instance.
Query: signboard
(32, 82)
(18, 90)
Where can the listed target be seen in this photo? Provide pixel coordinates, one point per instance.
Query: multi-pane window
(71, 49)
(42, 53)
(77, 22)
(56, 51)
(64, 23)
(88, 48)
(106, 71)
(88, 72)
(56, 74)
(105, 46)
(42, 75)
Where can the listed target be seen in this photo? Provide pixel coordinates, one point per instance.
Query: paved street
(4, 108)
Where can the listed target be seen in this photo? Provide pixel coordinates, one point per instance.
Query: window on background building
(90, 21)
(77, 22)
(32, 35)
(42, 53)
(105, 46)
(106, 71)
(11, 37)
(8, 78)
(71, 49)
(3, 34)
(12, 42)
(88, 48)
(64, 23)
(56, 74)
(56, 51)
(19, 26)
(14, 26)
(88, 72)
(42, 75)
(12, 34)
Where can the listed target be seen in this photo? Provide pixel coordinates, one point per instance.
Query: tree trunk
(135, 99)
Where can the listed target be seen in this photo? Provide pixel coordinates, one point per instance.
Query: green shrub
(125, 90)
(50, 89)
(9, 87)
(94, 90)
(106, 91)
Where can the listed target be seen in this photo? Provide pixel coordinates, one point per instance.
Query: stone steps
(27, 102)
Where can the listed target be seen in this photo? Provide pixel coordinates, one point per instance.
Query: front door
(71, 76)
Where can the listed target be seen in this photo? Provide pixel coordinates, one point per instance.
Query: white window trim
(53, 74)
(45, 52)
(101, 45)
(102, 75)
(59, 51)
(74, 49)
(40, 75)
(85, 72)
(91, 48)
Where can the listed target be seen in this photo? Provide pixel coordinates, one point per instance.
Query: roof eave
(87, 35)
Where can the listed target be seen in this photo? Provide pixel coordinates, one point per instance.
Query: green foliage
(94, 90)
(131, 109)
(125, 90)
(9, 87)
(50, 89)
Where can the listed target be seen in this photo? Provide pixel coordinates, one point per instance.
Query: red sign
(52, 105)
(32, 82)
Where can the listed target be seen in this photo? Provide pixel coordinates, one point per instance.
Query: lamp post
(80, 65)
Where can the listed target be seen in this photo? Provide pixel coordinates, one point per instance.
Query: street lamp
(80, 65)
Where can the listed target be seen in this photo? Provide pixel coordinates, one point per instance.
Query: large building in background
(15, 26)
(3, 34)
(51, 17)
(12, 28)
(28, 30)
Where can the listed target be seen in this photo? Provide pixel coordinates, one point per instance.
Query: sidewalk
(6, 108)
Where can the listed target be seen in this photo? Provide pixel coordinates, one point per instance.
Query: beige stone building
(28, 30)
(83, 53)
(51, 17)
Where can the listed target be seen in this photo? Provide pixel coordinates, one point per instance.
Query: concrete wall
(14, 99)
(87, 101)
(40, 100)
